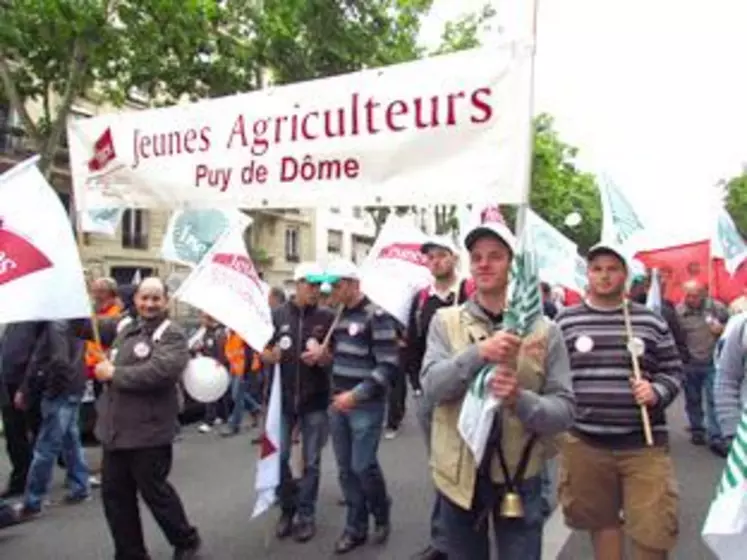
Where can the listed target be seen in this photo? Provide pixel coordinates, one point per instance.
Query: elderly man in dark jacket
(136, 423)
(58, 356)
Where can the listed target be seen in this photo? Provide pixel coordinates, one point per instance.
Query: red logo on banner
(239, 263)
(491, 215)
(103, 152)
(408, 252)
(18, 257)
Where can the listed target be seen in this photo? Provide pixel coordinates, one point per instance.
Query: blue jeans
(58, 433)
(300, 497)
(355, 438)
(699, 380)
(467, 534)
(242, 400)
(549, 486)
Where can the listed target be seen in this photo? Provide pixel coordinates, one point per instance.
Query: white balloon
(573, 219)
(205, 380)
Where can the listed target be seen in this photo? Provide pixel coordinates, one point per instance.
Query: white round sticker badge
(141, 350)
(312, 344)
(636, 346)
(353, 329)
(285, 342)
(584, 344)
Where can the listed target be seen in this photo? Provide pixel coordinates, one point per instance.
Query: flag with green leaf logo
(619, 220)
(725, 527)
(728, 244)
(523, 310)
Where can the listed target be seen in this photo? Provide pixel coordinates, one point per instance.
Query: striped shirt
(365, 356)
(601, 366)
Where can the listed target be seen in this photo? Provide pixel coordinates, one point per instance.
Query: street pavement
(215, 478)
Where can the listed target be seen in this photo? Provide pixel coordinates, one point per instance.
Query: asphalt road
(215, 478)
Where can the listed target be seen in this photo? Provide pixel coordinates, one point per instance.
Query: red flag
(728, 287)
(677, 265)
(103, 151)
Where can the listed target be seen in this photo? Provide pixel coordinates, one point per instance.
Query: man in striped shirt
(365, 360)
(606, 466)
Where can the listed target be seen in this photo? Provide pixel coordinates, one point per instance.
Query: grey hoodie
(730, 395)
(446, 376)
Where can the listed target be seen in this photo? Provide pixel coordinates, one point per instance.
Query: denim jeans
(355, 438)
(699, 381)
(300, 497)
(467, 533)
(59, 433)
(549, 486)
(242, 400)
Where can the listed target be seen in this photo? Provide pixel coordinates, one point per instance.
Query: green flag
(735, 471)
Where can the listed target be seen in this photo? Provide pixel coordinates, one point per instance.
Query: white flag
(225, 285)
(191, 233)
(727, 244)
(555, 253)
(395, 268)
(653, 298)
(104, 221)
(620, 222)
(136, 278)
(41, 277)
(268, 466)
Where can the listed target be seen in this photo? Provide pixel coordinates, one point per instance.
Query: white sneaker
(217, 422)
(390, 434)
(205, 428)
(94, 481)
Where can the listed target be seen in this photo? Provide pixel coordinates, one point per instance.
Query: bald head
(695, 292)
(151, 298)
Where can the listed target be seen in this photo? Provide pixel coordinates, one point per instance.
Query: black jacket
(59, 359)
(305, 388)
(19, 341)
(4, 397)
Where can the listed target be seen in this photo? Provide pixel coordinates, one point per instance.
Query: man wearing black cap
(529, 376)
(606, 464)
(446, 290)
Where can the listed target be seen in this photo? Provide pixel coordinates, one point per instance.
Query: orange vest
(94, 352)
(235, 351)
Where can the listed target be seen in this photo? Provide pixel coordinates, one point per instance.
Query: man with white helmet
(364, 355)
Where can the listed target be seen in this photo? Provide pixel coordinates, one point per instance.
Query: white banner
(226, 286)
(403, 134)
(191, 233)
(41, 277)
(395, 269)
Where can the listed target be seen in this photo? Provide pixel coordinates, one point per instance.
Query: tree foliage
(736, 202)
(53, 52)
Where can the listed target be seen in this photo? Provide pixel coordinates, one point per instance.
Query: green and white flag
(191, 233)
(727, 243)
(619, 220)
(725, 528)
(523, 310)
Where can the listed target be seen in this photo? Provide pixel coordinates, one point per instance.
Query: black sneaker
(381, 533)
(347, 543)
(304, 531)
(430, 553)
(697, 438)
(720, 448)
(191, 552)
(284, 528)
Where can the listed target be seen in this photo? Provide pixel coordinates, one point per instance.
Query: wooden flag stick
(637, 373)
(333, 326)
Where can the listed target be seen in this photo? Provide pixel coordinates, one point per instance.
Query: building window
(135, 229)
(292, 245)
(334, 241)
(334, 210)
(127, 275)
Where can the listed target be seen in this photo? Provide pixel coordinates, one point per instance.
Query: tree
(558, 187)
(53, 52)
(736, 202)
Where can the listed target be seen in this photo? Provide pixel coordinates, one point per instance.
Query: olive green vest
(452, 464)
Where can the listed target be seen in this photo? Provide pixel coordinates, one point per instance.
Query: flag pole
(637, 373)
(521, 215)
(79, 242)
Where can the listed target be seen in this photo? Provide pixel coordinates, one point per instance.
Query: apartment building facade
(343, 233)
(277, 239)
